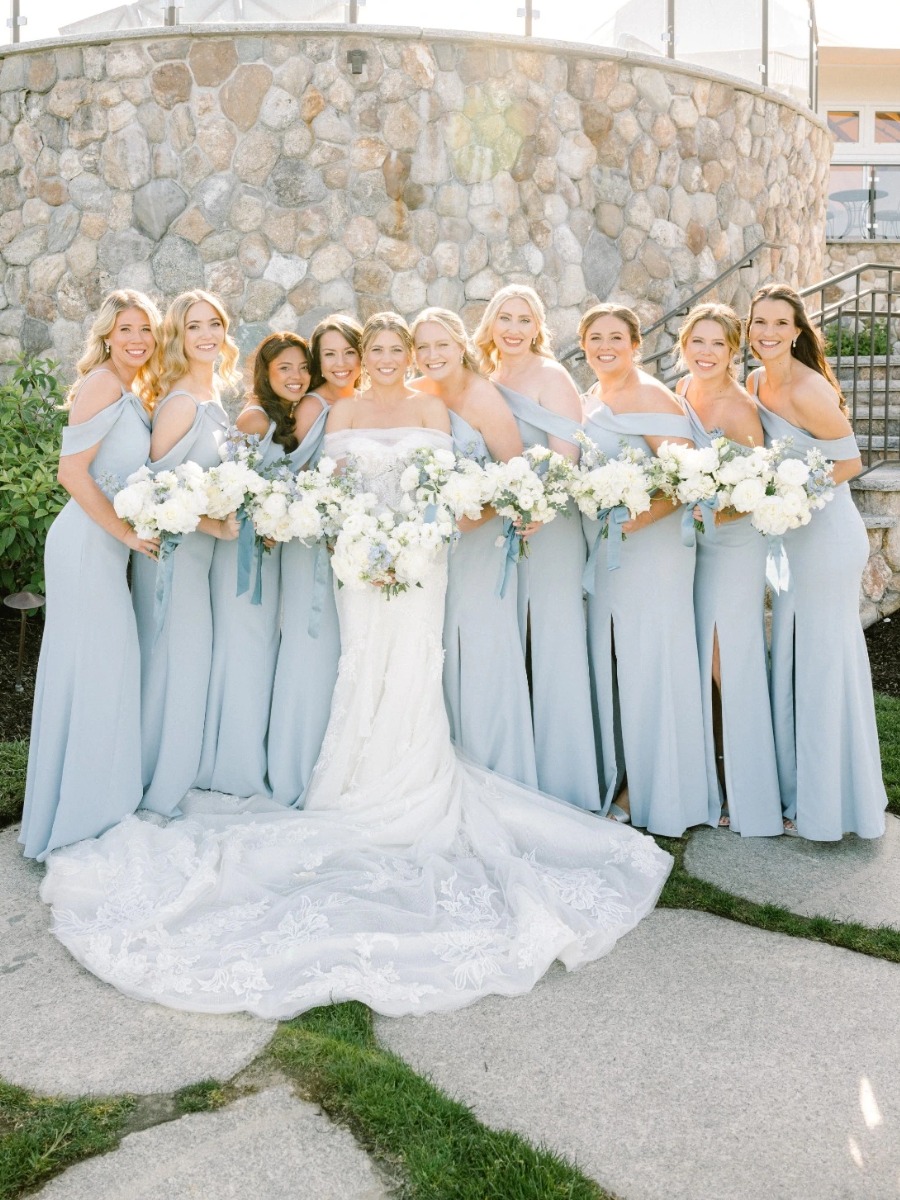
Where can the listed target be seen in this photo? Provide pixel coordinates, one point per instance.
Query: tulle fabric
(413, 880)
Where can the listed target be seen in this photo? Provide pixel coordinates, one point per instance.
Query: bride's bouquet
(611, 491)
(166, 506)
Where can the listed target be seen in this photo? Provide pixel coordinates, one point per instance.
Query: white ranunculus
(748, 494)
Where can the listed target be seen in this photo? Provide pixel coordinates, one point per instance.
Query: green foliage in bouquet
(31, 424)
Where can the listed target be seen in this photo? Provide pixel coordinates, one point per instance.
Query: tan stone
(875, 577)
(81, 256)
(192, 225)
(401, 127)
(46, 272)
(313, 229)
(171, 83)
(655, 260)
(255, 156)
(623, 95)
(360, 236)
(194, 167)
(212, 61)
(329, 262)
(247, 212)
(67, 97)
(892, 547)
(297, 141)
(312, 103)
(126, 60)
(181, 128)
(398, 255)
(225, 278)
(261, 299)
(372, 278)
(610, 219)
(242, 96)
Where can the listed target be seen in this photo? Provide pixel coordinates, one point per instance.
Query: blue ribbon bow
(512, 549)
(778, 571)
(250, 548)
(707, 521)
(611, 522)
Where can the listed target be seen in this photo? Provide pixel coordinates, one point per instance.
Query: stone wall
(877, 497)
(252, 161)
(843, 256)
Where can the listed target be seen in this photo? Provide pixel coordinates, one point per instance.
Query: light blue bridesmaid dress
(84, 766)
(245, 647)
(175, 666)
(729, 600)
(552, 627)
(642, 648)
(485, 683)
(823, 711)
(308, 652)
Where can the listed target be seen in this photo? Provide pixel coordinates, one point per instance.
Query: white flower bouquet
(611, 491)
(385, 550)
(301, 507)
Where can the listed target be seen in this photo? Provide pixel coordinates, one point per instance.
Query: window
(844, 125)
(887, 127)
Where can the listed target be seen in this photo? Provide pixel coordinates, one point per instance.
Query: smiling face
(131, 341)
(338, 360)
(289, 375)
(772, 329)
(438, 354)
(706, 352)
(608, 347)
(515, 327)
(386, 358)
(204, 333)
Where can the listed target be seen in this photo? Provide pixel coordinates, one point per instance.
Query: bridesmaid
(825, 733)
(729, 591)
(641, 641)
(246, 635)
(485, 684)
(310, 645)
(84, 767)
(188, 424)
(515, 343)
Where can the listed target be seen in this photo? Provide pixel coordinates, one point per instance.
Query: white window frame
(866, 150)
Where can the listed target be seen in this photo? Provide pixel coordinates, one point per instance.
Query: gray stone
(851, 880)
(295, 185)
(118, 250)
(36, 336)
(700, 1059)
(213, 197)
(601, 264)
(63, 1031)
(26, 246)
(126, 158)
(287, 1147)
(177, 266)
(157, 204)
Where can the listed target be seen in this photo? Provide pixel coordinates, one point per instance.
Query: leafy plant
(846, 339)
(31, 424)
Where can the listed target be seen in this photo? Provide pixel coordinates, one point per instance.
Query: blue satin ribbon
(778, 571)
(512, 544)
(611, 522)
(246, 538)
(165, 566)
(430, 514)
(320, 582)
(707, 520)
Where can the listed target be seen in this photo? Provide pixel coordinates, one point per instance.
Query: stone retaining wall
(252, 161)
(877, 497)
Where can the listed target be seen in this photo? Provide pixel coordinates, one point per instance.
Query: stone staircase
(877, 405)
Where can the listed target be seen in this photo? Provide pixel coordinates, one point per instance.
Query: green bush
(31, 424)
(846, 339)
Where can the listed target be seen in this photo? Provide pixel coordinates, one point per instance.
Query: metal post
(15, 20)
(670, 28)
(170, 14)
(354, 12)
(764, 55)
(529, 13)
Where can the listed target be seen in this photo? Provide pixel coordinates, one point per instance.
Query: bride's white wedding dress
(412, 880)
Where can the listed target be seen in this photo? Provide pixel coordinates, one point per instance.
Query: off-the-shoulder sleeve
(76, 438)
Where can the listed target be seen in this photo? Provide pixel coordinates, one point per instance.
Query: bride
(413, 880)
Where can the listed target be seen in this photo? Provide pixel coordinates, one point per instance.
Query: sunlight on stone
(868, 1104)
(855, 1152)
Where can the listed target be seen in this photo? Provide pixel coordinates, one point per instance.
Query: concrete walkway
(701, 1058)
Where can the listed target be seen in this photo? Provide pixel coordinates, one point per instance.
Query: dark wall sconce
(356, 59)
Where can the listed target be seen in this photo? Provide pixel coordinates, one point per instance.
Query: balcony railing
(863, 203)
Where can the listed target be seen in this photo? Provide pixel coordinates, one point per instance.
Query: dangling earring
(794, 344)
(106, 347)
(533, 343)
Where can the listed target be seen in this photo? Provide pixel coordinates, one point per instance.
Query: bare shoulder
(340, 415)
(817, 405)
(251, 420)
(654, 397)
(558, 390)
(744, 424)
(96, 392)
(175, 408)
(422, 385)
(434, 412)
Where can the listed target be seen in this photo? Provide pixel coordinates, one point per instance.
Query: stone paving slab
(700, 1059)
(271, 1146)
(62, 1031)
(856, 879)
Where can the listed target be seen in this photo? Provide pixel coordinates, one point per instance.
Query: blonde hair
(728, 321)
(457, 331)
(483, 337)
(378, 323)
(174, 360)
(145, 383)
(621, 313)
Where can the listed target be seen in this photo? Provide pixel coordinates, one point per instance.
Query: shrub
(848, 339)
(31, 424)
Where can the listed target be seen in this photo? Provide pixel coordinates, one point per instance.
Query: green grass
(39, 1136)
(433, 1144)
(887, 713)
(13, 761)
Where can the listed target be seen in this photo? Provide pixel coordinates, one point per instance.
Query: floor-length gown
(485, 684)
(245, 647)
(642, 647)
(175, 665)
(411, 881)
(552, 625)
(729, 604)
(84, 764)
(823, 711)
(308, 650)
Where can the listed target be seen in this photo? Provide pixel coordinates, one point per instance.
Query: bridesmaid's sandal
(617, 813)
(724, 820)
(790, 829)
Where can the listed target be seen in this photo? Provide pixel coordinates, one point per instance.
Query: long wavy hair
(622, 313)
(349, 329)
(483, 338)
(95, 354)
(807, 347)
(727, 320)
(277, 410)
(379, 323)
(174, 360)
(455, 329)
